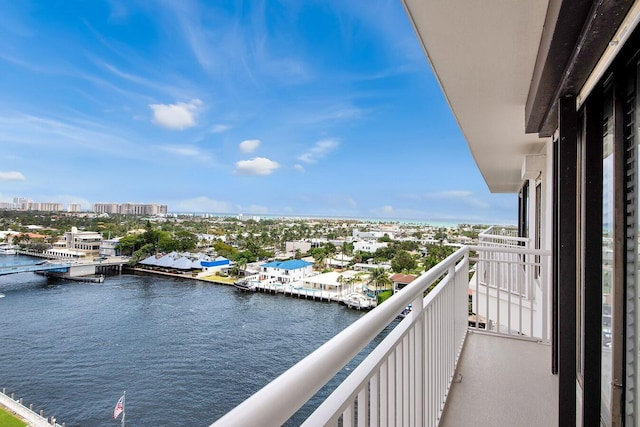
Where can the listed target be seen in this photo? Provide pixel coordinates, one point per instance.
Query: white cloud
(220, 128)
(204, 204)
(299, 168)
(178, 116)
(352, 202)
(11, 176)
(256, 166)
(319, 150)
(249, 145)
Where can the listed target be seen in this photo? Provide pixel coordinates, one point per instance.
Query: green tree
(403, 261)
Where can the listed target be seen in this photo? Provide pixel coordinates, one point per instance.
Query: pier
(288, 290)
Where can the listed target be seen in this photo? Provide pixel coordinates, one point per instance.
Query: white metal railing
(510, 291)
(502, 237)
(405, 379)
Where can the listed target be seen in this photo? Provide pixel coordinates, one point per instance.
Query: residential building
(108, 247)
(400, 280)
(74, 207)
(130, 208)
(356, 234)
(368, 245)
(108, 208)
(298, 245)
(286, 271)
(362, 266)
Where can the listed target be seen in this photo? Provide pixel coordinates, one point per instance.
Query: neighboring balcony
(473, 351)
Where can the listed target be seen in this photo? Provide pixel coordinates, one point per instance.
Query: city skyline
(267, 108)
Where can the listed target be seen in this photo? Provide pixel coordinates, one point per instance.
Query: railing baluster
(384, 394)
(374, 397)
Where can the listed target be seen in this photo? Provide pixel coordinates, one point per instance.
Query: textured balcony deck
(505, 382)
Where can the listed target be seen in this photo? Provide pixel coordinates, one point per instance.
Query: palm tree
(320, 257)
(378, 278)
(341, 279)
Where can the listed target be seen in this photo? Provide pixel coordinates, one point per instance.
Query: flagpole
(123, 411)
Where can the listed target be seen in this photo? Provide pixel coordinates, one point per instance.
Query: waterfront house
(400, 280)
(546, 93)
(286, 271)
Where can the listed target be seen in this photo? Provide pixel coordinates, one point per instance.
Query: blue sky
(324, 108)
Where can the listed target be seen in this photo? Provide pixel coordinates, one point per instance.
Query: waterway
(186, 352)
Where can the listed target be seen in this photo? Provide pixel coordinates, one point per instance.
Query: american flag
(118, 409)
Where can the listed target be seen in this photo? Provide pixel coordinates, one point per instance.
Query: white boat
(246, 285)
(7, 249)
(358, 301)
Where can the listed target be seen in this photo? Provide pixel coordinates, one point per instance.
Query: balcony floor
(505, 382)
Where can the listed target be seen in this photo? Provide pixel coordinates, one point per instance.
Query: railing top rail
(281, 398)
(512, 250)
(507, 234)
(499, 229)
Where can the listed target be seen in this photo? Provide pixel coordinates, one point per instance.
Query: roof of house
(403, 278)
(292, 264)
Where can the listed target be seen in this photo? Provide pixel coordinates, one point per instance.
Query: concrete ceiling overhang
(503, 64)
(483, 54)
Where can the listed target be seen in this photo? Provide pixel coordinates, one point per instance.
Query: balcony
(473, 351)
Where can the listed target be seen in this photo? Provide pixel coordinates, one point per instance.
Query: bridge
(65, 268)
(35, 266)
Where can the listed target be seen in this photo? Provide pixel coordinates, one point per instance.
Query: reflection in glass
(607, 252)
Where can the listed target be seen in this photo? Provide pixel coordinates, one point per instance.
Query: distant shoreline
(423, 222)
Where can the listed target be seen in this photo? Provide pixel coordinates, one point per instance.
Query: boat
(7, 249)
(358, 301)
(246, 285)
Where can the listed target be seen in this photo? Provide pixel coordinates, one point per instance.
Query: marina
(357, 301)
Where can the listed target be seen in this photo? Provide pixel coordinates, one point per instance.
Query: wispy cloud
(11, 176)
(299, 168)
(219, 128)
(256, 166)
(168, 89)
(319, 150)
(44, 131)
(249, 145)
(187, 151)
(178, 116)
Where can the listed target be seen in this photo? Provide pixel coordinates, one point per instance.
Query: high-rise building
(74, 207)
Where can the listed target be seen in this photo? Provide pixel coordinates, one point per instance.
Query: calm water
(186, 352)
